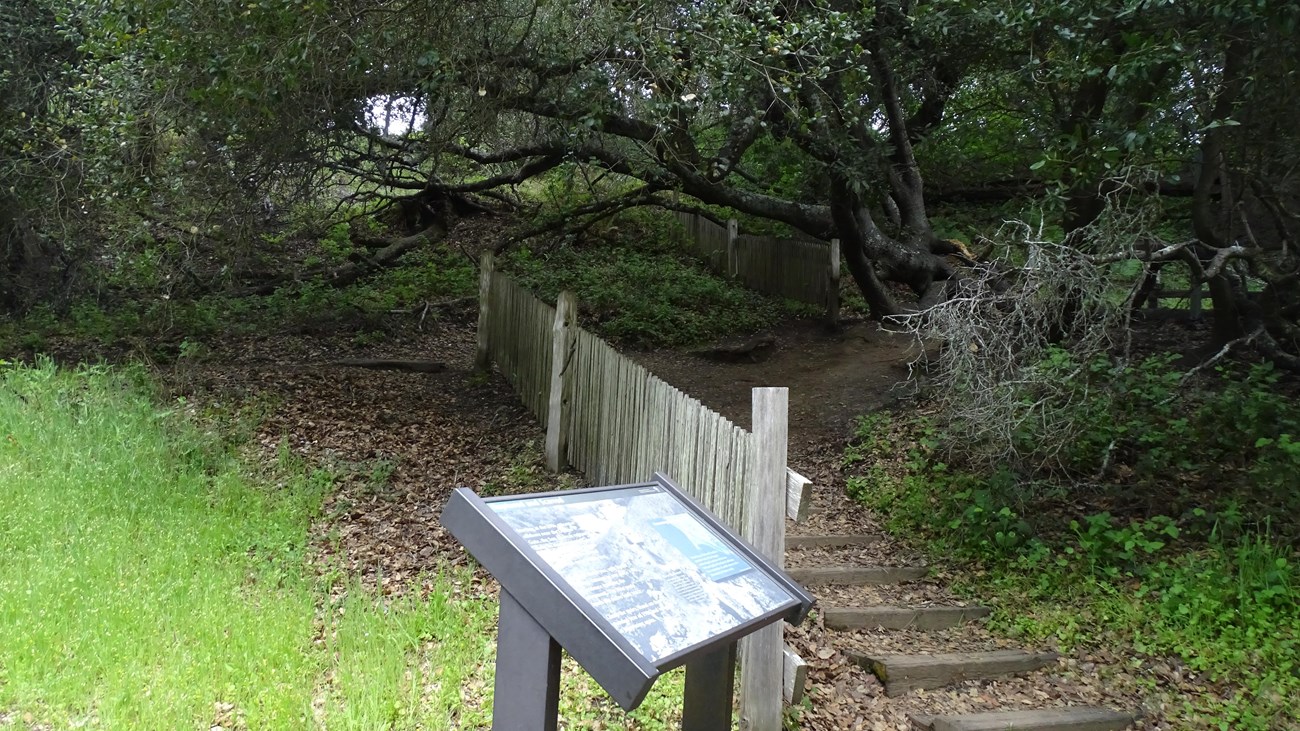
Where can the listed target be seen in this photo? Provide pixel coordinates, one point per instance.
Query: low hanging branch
(589, 214)
(342, 276)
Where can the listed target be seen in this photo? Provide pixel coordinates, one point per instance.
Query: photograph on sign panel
(656, 572)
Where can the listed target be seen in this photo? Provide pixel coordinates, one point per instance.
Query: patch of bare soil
(833, 377)
(397, 442)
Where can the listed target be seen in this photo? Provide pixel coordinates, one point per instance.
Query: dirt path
(833, 379)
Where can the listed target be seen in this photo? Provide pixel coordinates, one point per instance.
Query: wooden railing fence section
(519, 341)
(625, 423)
(617, 422)
(802, 270)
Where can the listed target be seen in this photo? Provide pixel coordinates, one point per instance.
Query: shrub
(643, 298)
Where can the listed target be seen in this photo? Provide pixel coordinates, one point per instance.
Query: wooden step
(925, 619)
(857, 575)
(902, 673)
(1082, 718)
(838, 541)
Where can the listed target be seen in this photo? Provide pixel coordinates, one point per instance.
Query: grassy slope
(151, 582)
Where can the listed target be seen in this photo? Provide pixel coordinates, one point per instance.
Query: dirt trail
(833, 379)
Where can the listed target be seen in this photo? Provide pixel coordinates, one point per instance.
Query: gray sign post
(631, 581)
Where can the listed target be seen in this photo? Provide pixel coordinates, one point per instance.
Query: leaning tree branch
(1226, 254)
(687, 208)
(354, 270)
(1227, 348)
(1166, 253)
(591, 213)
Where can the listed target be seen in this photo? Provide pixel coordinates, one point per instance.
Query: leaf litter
(397, 443)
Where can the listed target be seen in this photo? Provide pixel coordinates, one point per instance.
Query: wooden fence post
(487, 265)
(557, 412)
(833, 299)
(733, 247)
(762, 661)
(1195, 294)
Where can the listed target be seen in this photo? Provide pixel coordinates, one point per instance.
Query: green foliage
(1226, 610)
(1109, 548)
(153, 317)
(921, 490)
(1143, 422)
(1111, 409)
(1214, 587)
(642, 296)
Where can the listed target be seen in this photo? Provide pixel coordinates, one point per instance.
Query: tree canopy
(852, 120)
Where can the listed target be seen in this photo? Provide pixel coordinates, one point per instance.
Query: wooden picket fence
(626, 424)
(617, 422)
(606, 414)
(710, 241)
(519, 338)
(801, 270)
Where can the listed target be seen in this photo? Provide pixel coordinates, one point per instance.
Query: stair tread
(903, 673)
(1072, 718)
(856, 574)
(828, 541)
(894, 617)
(962, 658)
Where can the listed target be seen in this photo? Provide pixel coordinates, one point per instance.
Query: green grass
(152, 580)
(142, 585)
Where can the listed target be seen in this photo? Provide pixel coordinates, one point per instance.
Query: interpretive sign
(631, 580)
(648, 564)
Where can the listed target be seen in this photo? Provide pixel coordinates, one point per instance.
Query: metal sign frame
(538, 603)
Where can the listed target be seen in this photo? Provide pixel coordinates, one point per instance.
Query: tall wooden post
(833, 296)
(761, 660)
(557, 415)
(1195, 293)
(487, 265)
(733, 247)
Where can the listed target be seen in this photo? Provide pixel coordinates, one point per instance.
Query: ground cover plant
(153, 320)
(636, 285)
(155, 577)
(1164, 531)
(152, 581)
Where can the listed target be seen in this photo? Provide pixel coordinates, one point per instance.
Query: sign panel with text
(651, 566)
(631, 580)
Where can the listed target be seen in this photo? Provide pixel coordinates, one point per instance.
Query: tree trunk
(27, 261)
(855, 229)
(1227, 314)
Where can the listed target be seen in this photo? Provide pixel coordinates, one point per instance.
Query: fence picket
(624, 423)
